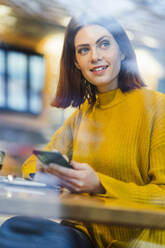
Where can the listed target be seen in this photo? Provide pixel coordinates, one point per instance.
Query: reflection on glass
(161, 85)
(2, 80)
(17, 66)
(37, 72)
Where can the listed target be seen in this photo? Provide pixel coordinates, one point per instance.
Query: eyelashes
(104, 44)
(83, 50)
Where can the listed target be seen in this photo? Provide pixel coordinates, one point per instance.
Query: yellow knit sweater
(123, 138)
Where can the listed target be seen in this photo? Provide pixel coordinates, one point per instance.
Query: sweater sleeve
(154, 191)
(62, 140)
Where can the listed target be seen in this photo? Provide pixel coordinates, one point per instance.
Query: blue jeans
(30, 232)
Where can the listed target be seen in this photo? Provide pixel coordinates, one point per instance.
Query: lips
(99, 68)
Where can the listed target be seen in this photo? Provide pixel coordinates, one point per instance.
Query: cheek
(116, 61)
(83, 66)
(83, 61)
(119, 64)
(80, 63)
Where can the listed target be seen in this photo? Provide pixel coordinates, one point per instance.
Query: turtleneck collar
(109, 98)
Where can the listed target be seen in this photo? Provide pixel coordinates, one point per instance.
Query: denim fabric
(30, 232)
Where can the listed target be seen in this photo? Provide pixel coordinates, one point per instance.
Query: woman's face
(98, 57)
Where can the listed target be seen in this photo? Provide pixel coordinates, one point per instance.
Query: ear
(122, 56)
(77, 65)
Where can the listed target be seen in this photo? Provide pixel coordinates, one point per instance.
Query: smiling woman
(99, 59)
(115, 139)
(89, 30)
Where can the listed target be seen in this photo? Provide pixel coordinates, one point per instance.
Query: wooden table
(47, 203)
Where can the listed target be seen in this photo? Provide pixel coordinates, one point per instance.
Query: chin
(98, 84)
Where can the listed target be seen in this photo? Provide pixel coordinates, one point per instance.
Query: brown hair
(72, 88)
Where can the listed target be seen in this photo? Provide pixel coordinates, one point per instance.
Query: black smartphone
(48, 157)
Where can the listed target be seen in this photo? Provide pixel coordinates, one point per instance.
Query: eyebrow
(101, 38)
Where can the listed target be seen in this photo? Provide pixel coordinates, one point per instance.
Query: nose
(95, 55)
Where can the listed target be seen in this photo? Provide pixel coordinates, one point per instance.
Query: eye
(83, 50)
(104, 44)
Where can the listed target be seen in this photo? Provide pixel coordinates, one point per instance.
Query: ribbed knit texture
(123, 139)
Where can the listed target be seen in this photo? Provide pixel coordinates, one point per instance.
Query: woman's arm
(62, 141)
(81, 179)
(154, 191)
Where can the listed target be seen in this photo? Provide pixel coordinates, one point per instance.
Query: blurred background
(31, 39)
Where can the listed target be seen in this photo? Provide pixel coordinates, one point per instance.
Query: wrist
(99, 189)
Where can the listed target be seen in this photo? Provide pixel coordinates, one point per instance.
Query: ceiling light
(4, 10)
(8, 20)
(64, 21)
(150, 42)
(52, 44)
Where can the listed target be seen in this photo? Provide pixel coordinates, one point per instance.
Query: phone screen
(48, 157)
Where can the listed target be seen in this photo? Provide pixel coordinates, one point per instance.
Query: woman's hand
(81, 179)
(47, 178)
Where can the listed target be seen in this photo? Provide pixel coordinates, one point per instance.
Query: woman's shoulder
(150, 92)
(146, 95)
(85, 107)
(77, 113)
(145, 100)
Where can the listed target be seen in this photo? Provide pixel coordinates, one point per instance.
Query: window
(22, 75)
(161, 85)
(2, 78)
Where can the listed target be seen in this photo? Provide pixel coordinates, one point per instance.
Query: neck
(109, 86)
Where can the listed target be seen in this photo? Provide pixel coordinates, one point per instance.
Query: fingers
(79, 166)
(77, 183)
(79, 172)
(67, 185)
(73, 186)
(76, 180)
(62, 171)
